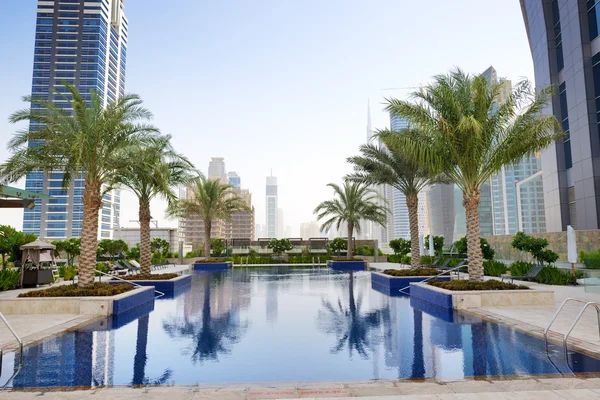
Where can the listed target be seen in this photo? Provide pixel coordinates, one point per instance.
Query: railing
(577, 318)
(10, 328)
(160, 294)
(433, 277)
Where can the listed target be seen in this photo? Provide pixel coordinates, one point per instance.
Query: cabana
(298, 247)
(318, 245)
(263, 246)
(240, 247)
(36, 255)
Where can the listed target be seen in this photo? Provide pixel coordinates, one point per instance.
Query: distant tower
(271, 204)
(235, 180)
(216, 169)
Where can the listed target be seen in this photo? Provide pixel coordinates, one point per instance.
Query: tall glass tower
(272, 209)
(84, 43)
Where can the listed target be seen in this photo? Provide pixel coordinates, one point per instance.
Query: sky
(275, 85)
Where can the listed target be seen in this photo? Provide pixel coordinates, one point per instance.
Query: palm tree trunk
(89, 238)
(349, 253)
(474, 254)
(207, 232)
(412, 203)
(145, 251)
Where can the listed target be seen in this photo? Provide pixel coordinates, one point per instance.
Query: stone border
(460, 300)
(220, 266)
(96, 305)
(347, 265)
(165, 286)
(391, 285)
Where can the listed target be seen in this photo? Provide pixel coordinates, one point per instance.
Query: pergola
(11, 197)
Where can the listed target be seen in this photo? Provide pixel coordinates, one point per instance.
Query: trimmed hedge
(592, 260)
(155, 277)
(494, 268)
(412, 272)
(97, 289)
(519, 268)
(468, 285)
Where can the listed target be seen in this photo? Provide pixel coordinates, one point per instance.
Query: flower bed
(166, 283)
(153, 277)
(97, 289)
(486, 285)
(399, 285)
(413, 272)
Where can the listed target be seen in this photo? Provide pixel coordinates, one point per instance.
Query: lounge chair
(441, 267)
(531, 274)
(433, 264)
(132, 269)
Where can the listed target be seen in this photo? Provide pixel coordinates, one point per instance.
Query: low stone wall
(460, 300)
(78, 305)
(587, 241)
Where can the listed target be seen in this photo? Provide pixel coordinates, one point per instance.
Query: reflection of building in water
(271, 301)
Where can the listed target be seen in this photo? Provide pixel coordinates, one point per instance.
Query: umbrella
(572, 247)
(421, 246)
(431, 249)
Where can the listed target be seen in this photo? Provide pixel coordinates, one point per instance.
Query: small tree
(11, 241)
(488, 251)
(160, 245)
(71, 248)
(112, 247)
(338, 244)
(217, 246)
(280, 245)
(438, 244)
(534, 246)
(133, 253)
(400, 246)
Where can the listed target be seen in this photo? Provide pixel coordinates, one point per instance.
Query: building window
(596, 64)
(557, 36)
(564, 118)
(593, 18)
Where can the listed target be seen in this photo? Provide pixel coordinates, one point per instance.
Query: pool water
(284, 324)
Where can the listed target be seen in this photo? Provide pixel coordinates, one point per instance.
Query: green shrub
(337, 245)
(405, 260)
(454, 262)
(154, 277)
(97, 289)
(102, 267)
(493, 268)
(158, 258)
(412, 272)
(551, 275)
(394, 258)
(492, 284)
(488, 252)
(425, 260)
(401, 247)
(438, 244)
(365, 250)
(67, 272)
(519, 268)
(217, 247)
(592, 260)
(534, 246)
(9, 279)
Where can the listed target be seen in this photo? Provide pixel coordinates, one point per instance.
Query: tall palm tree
(354, 202)
(461, 130)
(380, 166)
(86, 141)
(149, 170)
(210, 200)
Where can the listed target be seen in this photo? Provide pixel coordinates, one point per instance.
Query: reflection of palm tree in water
(350, 326)
(418, 364)
(140, 359)
(213, 335)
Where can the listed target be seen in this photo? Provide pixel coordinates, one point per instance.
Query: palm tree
(462, 131)
(86, 141)
(380, 166)
(210, 200)
(354, 202)
(150, 170)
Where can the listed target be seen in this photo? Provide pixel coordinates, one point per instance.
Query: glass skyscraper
(271, 207)
(83, 43)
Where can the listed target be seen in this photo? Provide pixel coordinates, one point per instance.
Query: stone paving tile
(579, 394)
(375, 391)
(423, 388)
(474, 387)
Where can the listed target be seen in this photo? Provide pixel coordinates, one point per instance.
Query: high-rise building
(216, 169)
(565, 46)
(271, 207)
(235, 180)
(241, 225)
(280, 225)
(310, 230)
(83, 43)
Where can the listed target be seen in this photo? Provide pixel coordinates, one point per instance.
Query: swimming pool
(284, 324)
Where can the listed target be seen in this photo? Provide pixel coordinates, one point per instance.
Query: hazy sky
(281, 85)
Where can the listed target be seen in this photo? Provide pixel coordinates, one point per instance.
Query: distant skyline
(282, 85)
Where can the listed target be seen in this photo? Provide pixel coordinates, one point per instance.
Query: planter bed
(391, 285)
(463, 299)
(354, 265)
(162, 285)
(212, 266)
(90, 305)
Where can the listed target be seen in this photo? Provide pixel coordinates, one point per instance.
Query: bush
(405, 260)
(551, 275)
(493, 268)
(97, 289)
(592, 260)
(158, 258)
(412, 272)
(438, 244)
(217, 247)
(365, 250)
(9, 279)
(488, 252)
(154, 277)
(534, 246)
(337, 245)
(519, 268)
(394, 258)
(102, 267)
(469, 285)
(401, 247)
(425, 260)
(67, 272)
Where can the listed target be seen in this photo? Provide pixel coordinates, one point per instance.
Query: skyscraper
(83, 43)
(216, 169)
(565, 46)
(271, 207)
(235, 180)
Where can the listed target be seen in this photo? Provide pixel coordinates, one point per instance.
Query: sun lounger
(531, 274)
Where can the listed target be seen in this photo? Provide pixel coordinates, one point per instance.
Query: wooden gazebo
(35, 255)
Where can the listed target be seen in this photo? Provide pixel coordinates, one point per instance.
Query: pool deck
(520, 388)
(33, 328)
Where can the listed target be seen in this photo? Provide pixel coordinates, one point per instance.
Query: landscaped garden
(96, 289)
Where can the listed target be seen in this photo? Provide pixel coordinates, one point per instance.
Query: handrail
(160, 294)
(590, 303)
(10, 328)
(556, 315)
(432, 277)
